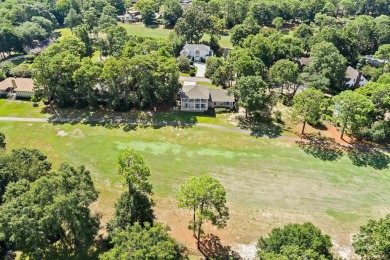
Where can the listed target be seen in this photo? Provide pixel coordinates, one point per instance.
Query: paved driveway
(201, 69)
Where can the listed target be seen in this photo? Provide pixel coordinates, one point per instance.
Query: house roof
(351, 73)
(304, 61)
(193, 47)
(195, 92)
(220, 95)
(22, 84)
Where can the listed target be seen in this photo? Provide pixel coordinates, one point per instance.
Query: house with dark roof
(196, 52)
(198, 98)
(353, 77)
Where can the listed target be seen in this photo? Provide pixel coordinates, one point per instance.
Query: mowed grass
(140, 30)
(269, 182)
(20, 108)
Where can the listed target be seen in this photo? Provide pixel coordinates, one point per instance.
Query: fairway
(140, 30)
(269, 182)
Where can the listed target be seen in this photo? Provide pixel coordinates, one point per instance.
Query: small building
(21, 87)
(196, 52)
(198, 98)
(219, 98)
(355, 78)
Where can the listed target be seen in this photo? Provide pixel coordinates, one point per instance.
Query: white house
(21, 87)
(355, 78)
(377, 63)
(196, 52)
(200, 98)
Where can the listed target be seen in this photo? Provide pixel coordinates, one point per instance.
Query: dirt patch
(62, 133)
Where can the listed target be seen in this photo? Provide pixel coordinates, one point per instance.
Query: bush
(192, 73)
(379, 133)
(6, 66)
(184, 64)
(21, 71)
(2, 75)
(278, 116)
(29, 58)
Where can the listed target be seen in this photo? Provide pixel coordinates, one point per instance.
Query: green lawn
(20, 108)
(141, 30)
(269, 182)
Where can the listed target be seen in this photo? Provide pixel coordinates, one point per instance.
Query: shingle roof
(195, 92)
(351, 73)
(22, 84)
(193, 47)
(220, 95)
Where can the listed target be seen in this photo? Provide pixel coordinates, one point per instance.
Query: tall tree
(194, 23)
(308, 107)
(251, 94)
(352, 110)
(383, 53)
(373, 239)
(207, 198)
(52, 209)
(285, 73)
(171, 11)
(304, 240)
(134, 205)
(137, 242)
(326, 60)
(73, 19)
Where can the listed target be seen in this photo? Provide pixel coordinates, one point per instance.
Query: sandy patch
(62, 133)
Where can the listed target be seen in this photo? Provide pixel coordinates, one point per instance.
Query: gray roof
(220, 95)
(193, 47)
(304, 61)
(195, 92)
(351, 73)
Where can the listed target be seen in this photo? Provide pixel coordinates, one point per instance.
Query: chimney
(357, 82)
(13, 83)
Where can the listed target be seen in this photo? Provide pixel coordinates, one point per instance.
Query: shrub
(21, 71)
(183, 63)
(29, 58)
(2, 75)
(6, 66)
(192, 73)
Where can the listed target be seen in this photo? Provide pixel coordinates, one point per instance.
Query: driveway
(201, 69)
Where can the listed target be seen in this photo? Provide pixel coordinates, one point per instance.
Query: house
(355, 78)
(377, 63)
(21, 87)
(124, 18)
(196, 52)
(198, 98)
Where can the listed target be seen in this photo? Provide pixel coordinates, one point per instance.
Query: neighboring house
(124, 18)
(21, 87)
(199, 98)
(355, 78)
(377, 63)
(196, 52)
(130, 16)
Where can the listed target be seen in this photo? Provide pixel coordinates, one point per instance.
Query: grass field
(269, 182)
(139, 29)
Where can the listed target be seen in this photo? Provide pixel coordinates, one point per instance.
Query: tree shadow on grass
(364, 156)
(321, 147)
(212, 248)
(264, 128)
